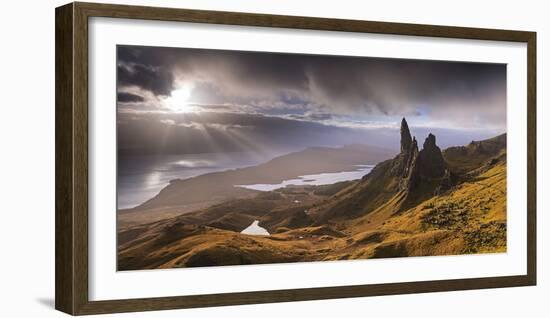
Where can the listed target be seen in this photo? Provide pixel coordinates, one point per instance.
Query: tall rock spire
(409, 149)
(406, 139)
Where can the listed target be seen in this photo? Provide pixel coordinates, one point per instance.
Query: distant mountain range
(421, 202)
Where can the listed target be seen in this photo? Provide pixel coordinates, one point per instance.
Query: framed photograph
(219, 158)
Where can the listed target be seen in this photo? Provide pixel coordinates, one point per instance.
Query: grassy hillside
(380, 216)
(469, 219)
(463, 159)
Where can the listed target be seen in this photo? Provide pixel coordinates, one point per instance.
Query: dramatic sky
(178, 100)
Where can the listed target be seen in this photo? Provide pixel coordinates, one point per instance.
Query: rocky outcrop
(409, 178)
(424, 167)
(406, 139)
(409, 151)
(430, 160)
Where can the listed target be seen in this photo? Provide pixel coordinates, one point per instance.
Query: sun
(179, 99)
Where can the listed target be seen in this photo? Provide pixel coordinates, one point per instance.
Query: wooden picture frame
(72, 280)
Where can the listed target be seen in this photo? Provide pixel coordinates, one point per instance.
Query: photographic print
(236, 157)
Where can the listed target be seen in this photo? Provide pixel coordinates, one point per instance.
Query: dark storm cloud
(145, 69)
(155, 79)
(391, 86)
(123, 97)
(465, 92)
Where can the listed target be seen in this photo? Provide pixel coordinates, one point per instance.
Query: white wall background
(27, 158)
